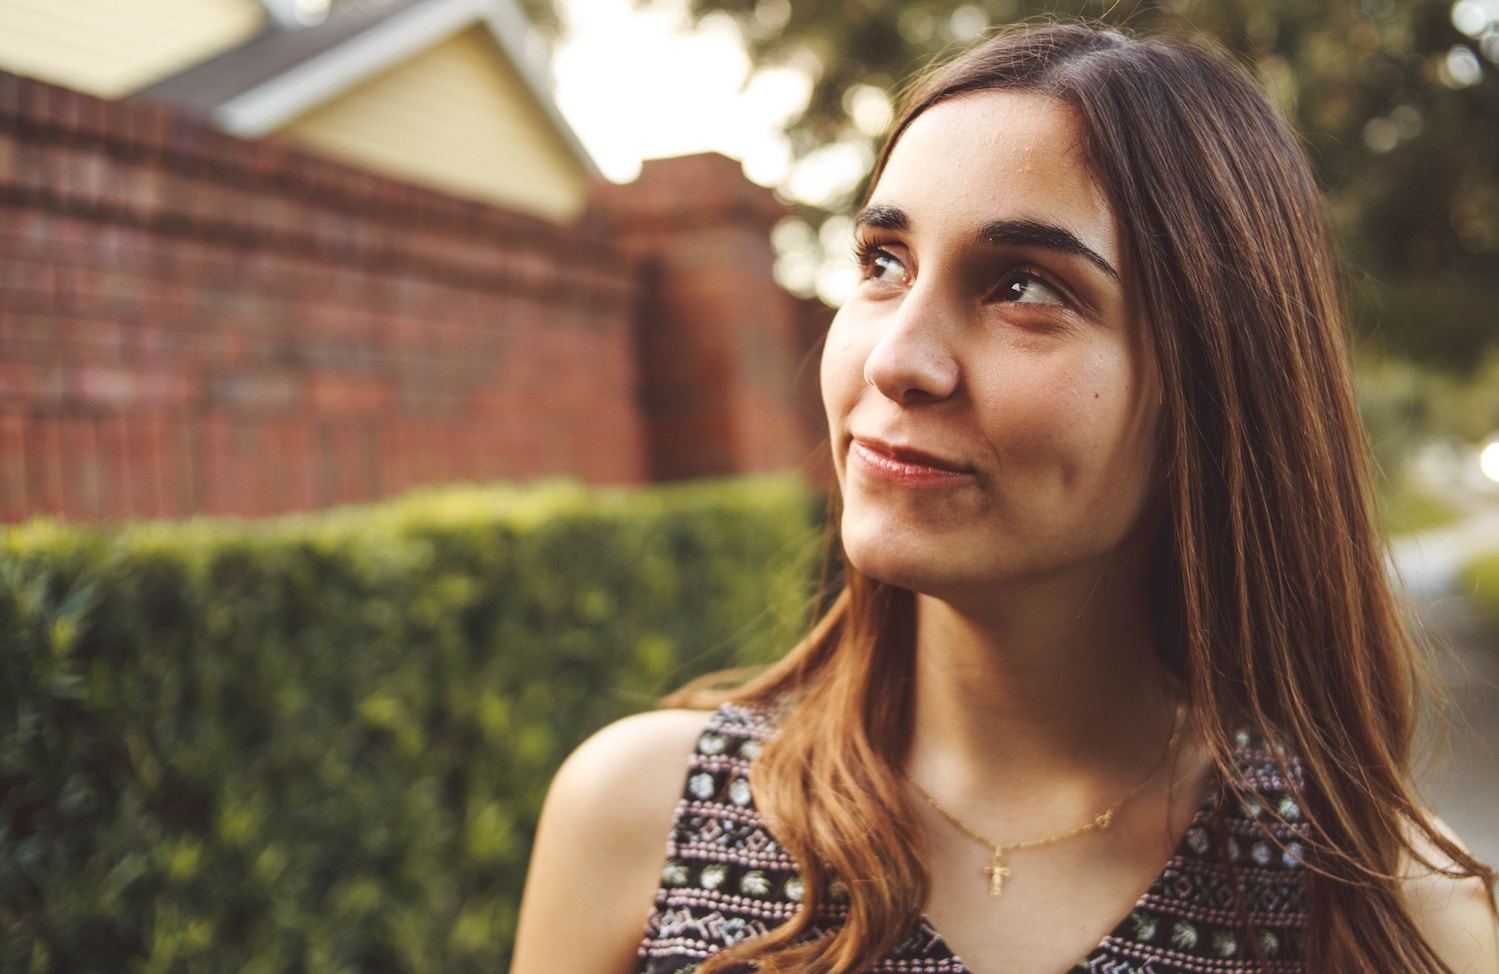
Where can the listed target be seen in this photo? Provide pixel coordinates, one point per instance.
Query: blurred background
(392, 392)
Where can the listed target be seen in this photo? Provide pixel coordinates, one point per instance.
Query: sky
(641, 84)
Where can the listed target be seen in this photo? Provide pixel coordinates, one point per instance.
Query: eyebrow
(1015, 233)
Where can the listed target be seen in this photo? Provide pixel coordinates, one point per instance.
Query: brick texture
(713, 318)
(193, 323)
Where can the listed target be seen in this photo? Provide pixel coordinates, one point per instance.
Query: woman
(1114, 595)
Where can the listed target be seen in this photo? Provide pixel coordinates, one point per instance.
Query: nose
(912, 362)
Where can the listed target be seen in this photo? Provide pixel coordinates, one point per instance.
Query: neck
(1047, 687)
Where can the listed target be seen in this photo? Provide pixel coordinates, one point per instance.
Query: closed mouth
(911, 455)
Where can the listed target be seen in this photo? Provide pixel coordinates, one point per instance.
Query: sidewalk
(1428, 562)
(1463, 783)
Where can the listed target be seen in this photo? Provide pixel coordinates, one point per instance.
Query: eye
(1025, 287)
(878, 264)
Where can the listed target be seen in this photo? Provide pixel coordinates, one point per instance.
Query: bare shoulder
(637, 763)
(600, 844)
(1454, 914)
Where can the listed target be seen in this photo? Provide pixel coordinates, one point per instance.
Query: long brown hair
(1268, 586)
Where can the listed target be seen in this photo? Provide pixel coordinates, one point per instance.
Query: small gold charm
(997, 871)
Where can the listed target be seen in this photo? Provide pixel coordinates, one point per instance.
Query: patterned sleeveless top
(726, 879)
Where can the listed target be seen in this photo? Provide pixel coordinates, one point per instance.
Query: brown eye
(1026, 288)
(875, 263)
(884, 266)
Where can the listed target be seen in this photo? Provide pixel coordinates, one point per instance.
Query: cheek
(1069, 414)
(1116, 412)
(1025, 406)
(841, 372)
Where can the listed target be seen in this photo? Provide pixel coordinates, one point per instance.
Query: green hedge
(1482, 580)
(320, 743)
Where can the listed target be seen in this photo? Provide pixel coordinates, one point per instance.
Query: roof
(253, 89)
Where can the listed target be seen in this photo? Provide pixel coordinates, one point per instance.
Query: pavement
(1429, 561)
(1461, 781)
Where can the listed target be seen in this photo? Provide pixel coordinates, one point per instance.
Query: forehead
(997, 155)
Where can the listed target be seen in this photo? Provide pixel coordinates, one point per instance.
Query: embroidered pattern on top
(726, 879)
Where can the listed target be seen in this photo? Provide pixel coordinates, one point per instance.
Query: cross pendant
(997, 871)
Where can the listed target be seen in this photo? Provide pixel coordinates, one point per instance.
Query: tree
(1397, 101)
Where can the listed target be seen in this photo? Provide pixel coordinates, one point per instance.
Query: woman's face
(990, 390)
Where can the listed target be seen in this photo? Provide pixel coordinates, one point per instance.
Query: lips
(910, 456)
(904, 466)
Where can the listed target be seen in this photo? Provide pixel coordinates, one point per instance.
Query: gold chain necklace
(997, 871)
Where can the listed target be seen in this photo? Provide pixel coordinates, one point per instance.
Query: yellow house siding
(458, 117)
(111, 48)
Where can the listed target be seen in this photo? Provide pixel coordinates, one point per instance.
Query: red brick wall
(191, 323)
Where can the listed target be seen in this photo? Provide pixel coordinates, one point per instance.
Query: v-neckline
(1182, 850)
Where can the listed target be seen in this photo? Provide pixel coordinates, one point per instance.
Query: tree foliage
(1397, 102)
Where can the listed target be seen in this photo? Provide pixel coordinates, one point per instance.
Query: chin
(927, 566)
(945, 565)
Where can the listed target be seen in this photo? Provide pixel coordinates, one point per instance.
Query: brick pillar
(721, 346)
(812, 319)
